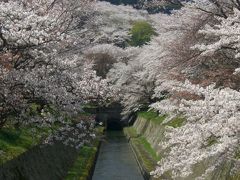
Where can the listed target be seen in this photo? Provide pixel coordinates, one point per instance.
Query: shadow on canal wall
(50, 162)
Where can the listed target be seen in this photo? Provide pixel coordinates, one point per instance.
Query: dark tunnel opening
(114, 125)
(110, 117)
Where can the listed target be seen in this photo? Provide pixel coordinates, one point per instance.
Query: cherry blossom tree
(211, 131)
(225, 34)
(35, 63)
(42, 63)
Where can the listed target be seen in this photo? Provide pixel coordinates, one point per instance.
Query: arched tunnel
(111, 117)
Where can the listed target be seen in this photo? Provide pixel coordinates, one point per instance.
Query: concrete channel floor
(116, 160)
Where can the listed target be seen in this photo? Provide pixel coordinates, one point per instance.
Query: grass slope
(14, 142)
(159, 118)
(84, 164)
(144, 152)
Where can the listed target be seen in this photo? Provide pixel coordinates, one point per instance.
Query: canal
(116, 160)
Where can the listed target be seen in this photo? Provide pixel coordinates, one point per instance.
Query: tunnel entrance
(114, 125)
(110, 117)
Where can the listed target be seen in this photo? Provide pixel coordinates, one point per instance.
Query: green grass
(176, 122)
(143, 156)
(148, 148)
(130, 132)
(141, 33)
(152, 116)
(85, 161)
(83, 164)
(90, 106)
(235, 177)
(211, 141)
(148, 114)
(100, 130)
(14, 142)
(158, 119)
(145, 153)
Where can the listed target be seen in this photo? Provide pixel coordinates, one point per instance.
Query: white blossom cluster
(114, 51)
(29, 24)
(226, 32)
(22, 26)
(34, 40)
(134, 83)
(73, 135)
(92, 88)
(166, 106)
(211, 131)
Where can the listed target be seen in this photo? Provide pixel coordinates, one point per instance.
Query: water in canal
(116, 160)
